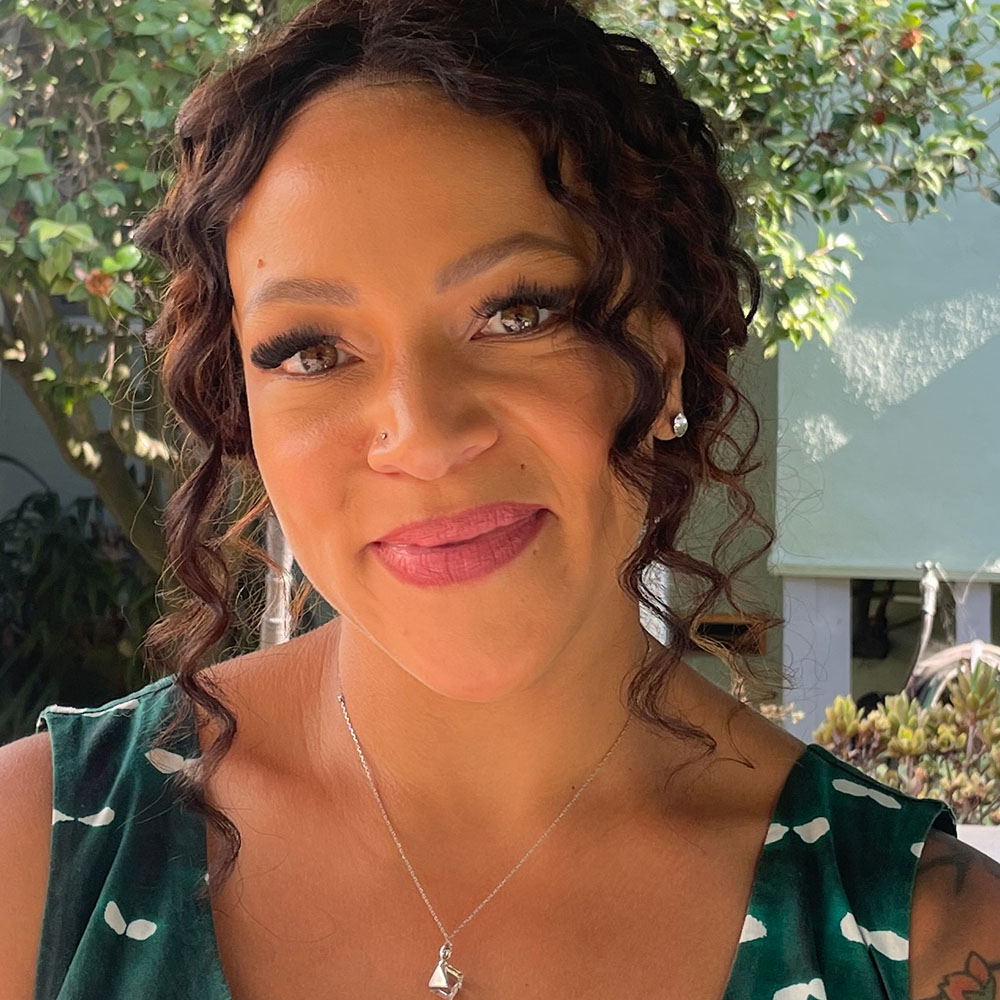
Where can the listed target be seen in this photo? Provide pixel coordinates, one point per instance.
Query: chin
(478, 685)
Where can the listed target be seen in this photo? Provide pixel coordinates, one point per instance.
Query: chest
(310, 913)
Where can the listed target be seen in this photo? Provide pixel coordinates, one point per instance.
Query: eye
(525, 308)
(311, 350)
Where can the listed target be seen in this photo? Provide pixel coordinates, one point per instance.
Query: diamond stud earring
(680, 425)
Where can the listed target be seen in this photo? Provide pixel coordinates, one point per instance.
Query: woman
(459, 282)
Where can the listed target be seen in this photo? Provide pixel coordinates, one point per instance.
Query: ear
(667, 340)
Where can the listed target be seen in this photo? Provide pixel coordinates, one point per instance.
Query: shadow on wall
(902, 464)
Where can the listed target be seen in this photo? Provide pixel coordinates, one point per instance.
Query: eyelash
(278, 349)
(526, 293)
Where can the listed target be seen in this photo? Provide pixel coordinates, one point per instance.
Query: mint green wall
(889, 439)
(25, 437)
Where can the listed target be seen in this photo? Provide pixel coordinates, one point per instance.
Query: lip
(462, 561)
(460, 527)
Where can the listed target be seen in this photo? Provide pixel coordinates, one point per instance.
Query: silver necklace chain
(531, 850)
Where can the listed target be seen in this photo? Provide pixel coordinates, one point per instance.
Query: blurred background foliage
(75, 602)
(826, 109)
(830, 108)
(947, 748)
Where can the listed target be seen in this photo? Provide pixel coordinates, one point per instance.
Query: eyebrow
(466, 267)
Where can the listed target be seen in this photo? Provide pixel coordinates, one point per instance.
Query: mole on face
(260, 261)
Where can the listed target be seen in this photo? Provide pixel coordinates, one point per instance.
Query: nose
(436, 415)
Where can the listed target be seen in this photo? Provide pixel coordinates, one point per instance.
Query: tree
(89, 90)
(827, 109)
(835, 107)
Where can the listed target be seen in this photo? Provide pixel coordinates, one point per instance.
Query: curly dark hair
(655, 203)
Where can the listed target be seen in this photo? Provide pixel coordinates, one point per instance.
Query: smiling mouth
(461, 561)
(461, 527)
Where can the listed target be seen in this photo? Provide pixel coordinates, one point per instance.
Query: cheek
(305, 467)
(577, 425)
(301, 430)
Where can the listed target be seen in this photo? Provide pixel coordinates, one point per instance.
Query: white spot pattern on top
(811, 832)
(813, 990)
(102, 818)
(753, 930)
(888, 943)
(863, 791)
(90, 714)
(138, 930)
(166, 761)
(774, 833)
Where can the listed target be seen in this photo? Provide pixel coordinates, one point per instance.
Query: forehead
(372, 165)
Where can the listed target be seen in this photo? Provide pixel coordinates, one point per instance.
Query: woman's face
(360, 245)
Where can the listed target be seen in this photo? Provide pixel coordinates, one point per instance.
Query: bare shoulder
(262, 672)
(744, 774)
(955, 923)
(266, 689)
(25, 831)
(737, 728)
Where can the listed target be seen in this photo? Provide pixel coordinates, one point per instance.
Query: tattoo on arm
(957, 856)
(961, 886)
(979, 980)
(954, 859)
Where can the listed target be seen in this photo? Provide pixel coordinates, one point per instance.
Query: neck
(507, 766)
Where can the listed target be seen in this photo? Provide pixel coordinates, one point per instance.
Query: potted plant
(948, 749)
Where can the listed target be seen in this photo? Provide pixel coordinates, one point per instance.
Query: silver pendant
(445, 980)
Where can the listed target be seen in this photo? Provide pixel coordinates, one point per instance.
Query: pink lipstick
(467, 546)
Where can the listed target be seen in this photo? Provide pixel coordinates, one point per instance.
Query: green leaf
(148, 180)
(8, 157)
(46, 229)
(125, 259)
(31, 162)
(66, 212)
(56, 264)
(118, 105)
(140, 92)
(64, 397)
(871, 78)
(912, 206)
(151, 28)
(80, 236)
(107, 193)
(42, 193)
(128, 257)
(123, 296)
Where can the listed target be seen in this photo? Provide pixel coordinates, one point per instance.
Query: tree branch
(91, 453)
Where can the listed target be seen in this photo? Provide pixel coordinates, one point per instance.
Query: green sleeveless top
(828, 917)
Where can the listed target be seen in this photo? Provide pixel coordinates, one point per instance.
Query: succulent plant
(948, 750)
